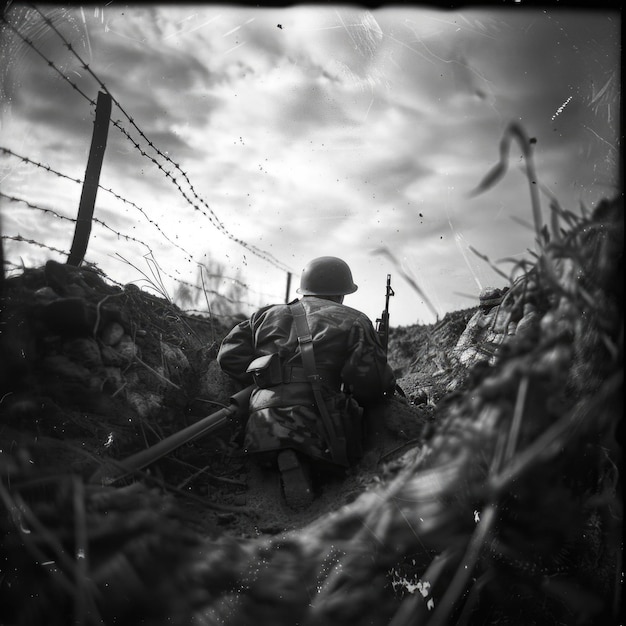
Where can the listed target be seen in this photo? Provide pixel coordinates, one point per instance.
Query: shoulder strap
(305, 341)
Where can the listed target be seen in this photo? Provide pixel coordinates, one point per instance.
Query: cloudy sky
(305, 131)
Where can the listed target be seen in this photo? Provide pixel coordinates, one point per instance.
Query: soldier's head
(327, 277)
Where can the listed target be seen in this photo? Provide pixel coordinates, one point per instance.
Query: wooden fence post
(92, 178)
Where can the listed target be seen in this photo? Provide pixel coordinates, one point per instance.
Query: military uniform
(347, 350)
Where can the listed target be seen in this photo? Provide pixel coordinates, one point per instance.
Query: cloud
(395, 175)
(344, 130)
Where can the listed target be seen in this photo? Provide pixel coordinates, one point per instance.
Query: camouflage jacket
(347, 350)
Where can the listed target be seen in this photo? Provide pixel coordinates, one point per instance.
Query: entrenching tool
(114, 471)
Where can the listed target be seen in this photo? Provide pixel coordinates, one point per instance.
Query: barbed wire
(37, 164)
(38, 208)
(96, 220)
(211, 216)
(213, 219)
(51, 170)
(32, 242)
(127, 238)
(236, 281)
(50, 63)
(110, 191)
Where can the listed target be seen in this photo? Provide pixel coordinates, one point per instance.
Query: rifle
(112, 472)
(382, 326)
(382, 323)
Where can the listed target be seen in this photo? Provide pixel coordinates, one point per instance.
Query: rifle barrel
(114, 471)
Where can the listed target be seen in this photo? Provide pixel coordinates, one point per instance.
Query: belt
(295, 374)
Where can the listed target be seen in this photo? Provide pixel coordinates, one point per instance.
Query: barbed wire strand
(110, 191)
(51, 64)
(213, 220)
(268, 257)
(96, 220)
(37, 164)
(32, 242)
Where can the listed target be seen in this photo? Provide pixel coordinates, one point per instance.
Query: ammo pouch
(266, 371)
(347, 416)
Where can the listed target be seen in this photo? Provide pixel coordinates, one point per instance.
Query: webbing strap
(305, 341)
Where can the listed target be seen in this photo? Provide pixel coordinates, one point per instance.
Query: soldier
(315, 364)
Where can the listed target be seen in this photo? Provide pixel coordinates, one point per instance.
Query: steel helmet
(326, 276)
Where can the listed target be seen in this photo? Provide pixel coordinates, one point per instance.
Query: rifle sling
(305, 341)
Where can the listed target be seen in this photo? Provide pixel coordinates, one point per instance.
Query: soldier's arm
(237, 352)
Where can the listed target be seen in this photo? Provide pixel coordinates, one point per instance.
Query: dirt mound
(95, 372)
(490, 495)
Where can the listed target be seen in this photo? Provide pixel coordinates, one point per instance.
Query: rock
(67, 280)
(113, 379)
(84, 351)
(75, 291)
(145, 404)
(112, 333)
(151, 377)
(18, 349)
(216, 385)
(478, 341)
(421, 397)
(133, 378)
(175, 360)
(92, 280)
(18, 407)
(57, 276)
(69, 316)
(45, 295)
(490, 297)
(240, 499)
(67, 369)
(110, 356)
(528, 326)
(127, 348)
(96, 384)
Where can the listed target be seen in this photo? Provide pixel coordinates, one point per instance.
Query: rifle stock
(114, 471)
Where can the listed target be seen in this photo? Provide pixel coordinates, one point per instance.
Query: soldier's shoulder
(270, 310)
(340, 313)
(354, 314)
